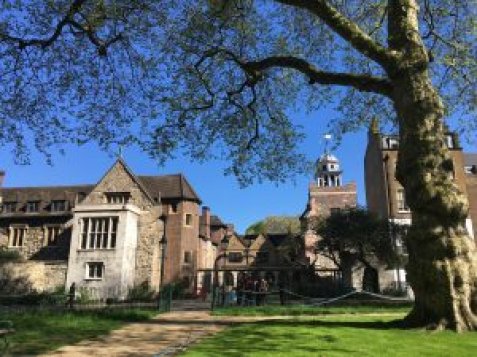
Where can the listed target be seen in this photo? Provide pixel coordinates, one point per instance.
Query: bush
(7, 255)
(141, 293)
(34, 299)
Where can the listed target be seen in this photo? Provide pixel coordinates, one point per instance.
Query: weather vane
(120, 151)
(327, 138)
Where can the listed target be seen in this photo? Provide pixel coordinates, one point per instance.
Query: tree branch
(254, 69)
(68, 19)
(23, 43)
(348, 30)
(362, 82)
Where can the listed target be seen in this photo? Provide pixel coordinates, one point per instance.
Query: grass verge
(43, 331)
(334, 335)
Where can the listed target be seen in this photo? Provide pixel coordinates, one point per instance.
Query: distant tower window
(324, 167)
(188, 219)
(32, 206)
(335, 210)
(401, 201)
(187, 257)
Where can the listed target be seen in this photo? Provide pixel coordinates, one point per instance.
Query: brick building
(326, 195)
(470, 169)
(385, 195)
(110, 236)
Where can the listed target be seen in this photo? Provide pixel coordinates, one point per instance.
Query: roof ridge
(47, 187)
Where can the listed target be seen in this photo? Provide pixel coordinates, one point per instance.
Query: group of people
(252, 291)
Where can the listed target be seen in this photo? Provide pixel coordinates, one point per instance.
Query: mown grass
(297, 310)
(334, 335)
(43, 331)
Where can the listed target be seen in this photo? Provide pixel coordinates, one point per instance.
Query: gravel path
(165, 335)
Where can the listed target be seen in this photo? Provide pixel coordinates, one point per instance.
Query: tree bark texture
(442, 268)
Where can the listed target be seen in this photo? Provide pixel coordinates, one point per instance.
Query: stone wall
(34, 245)
(32, 276)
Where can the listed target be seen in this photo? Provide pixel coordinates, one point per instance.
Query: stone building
(327, 194)
(385, 195)
(259, 255)
(108, 237)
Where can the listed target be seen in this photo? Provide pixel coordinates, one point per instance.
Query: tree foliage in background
(356, 235)
(221, 78)
(275, 224)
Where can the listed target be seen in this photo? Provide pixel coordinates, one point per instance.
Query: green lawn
(39, 332)
(334, 335)
(297, 310)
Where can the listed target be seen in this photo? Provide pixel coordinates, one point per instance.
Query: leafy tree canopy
(213, 78)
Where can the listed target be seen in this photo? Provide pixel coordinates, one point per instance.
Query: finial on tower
(327, 138)
(374, 127)
(120, 151)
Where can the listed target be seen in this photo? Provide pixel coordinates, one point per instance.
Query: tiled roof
(166, 187)
(215, 221)
(44, 194)
(169, 187)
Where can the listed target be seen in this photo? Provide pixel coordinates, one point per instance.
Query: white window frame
(37, 206)
(118, 198)
(96, 234)
(95, 275)
(58, 230)
(54, 207)
(11, 231)
(12, 204)
(402, 199)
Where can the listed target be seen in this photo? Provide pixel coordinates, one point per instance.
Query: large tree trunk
(442, 268)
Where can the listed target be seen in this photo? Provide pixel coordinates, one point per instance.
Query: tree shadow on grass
(375, 325)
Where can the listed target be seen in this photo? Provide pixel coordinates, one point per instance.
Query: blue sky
(240, 206)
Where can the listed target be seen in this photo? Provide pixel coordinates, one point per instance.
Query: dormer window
(58, 206)
(80, 196)
(9, 207)
(118, 197)
(32, 206)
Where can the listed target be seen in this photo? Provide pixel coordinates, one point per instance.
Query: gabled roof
(170, 187)
(126, 168)
(166, 187)
(215, 221)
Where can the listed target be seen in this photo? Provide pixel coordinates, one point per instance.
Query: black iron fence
(67, 302)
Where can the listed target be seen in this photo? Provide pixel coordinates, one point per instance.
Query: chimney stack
(206, 221)
(230, 229)
(2, 177)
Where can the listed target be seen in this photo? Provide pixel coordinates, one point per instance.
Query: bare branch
(23, 43)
